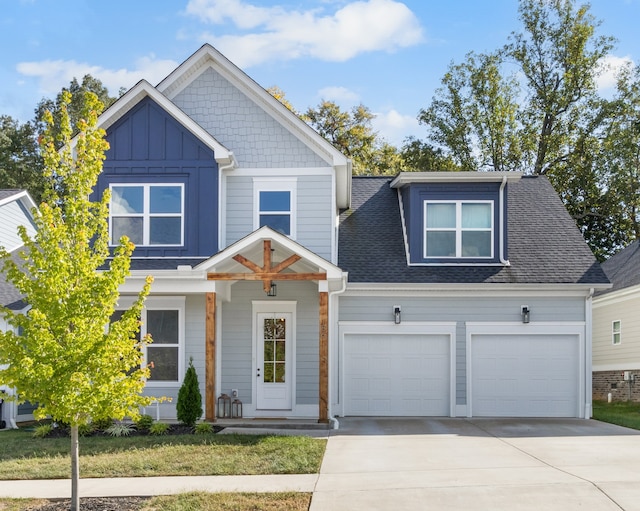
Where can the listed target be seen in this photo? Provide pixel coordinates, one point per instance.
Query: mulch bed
(95, 504)
(174, 429)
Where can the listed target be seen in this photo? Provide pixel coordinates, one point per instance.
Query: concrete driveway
(479, 464)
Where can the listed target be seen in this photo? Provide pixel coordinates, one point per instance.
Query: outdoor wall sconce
(272, 290)
(396, 314)
(525, 311)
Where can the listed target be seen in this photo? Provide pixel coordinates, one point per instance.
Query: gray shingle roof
(544, 244)
(623, 268)
(5, 193)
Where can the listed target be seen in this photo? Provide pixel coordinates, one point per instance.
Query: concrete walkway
(452, 464)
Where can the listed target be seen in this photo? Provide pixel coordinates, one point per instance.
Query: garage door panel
(396, 375)
(525, 375)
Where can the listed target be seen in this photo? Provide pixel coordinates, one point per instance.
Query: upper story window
(149, 214)
(616, 332)
(275, 201)
(458, 229)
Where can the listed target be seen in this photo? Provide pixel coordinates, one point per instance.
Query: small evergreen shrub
(119, 429)
(189, 405)
(159, 428)
(204, 428)
(144, 423)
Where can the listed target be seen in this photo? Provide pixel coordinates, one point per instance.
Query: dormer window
(458, 229)
(149, 214)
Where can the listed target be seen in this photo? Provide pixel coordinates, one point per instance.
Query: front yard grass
(25, 457)
(622, 413)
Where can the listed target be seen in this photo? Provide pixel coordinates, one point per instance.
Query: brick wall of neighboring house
(605, 382)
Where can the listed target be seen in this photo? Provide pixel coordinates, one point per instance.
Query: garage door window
(616, 332)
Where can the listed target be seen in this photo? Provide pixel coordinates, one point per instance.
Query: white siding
(13, 215)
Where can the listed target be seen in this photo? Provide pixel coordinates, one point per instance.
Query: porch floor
(276, 423)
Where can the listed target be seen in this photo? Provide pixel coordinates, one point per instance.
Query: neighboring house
(15, 209)
(308, 294)
(616, 329)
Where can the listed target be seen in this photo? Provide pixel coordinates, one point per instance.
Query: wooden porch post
(210, 358)
(323, 413)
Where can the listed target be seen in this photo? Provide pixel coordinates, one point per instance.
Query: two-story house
(310, 294)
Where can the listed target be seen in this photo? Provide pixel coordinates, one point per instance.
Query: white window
(149, 214)
(616, 332)
(458, 229)
(163, 318)
(274, 205)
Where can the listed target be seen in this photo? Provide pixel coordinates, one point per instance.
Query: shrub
(158, 428)
(42, 431)
(102, 424)
(189, 405)
(203, 428)
(119, 429)
(86, 429)
(144, 423)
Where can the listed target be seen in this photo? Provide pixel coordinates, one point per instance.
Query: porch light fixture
(396, 314)
(272, 290)
(525, 311)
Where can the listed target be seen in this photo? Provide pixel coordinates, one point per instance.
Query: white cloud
(394, 127)
(339, 95)
(609, 70)
(53, 75)
(358, 27)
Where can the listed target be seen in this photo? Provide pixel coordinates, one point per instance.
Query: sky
(388, 55)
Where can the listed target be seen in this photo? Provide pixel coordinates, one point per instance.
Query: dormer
(454, 218)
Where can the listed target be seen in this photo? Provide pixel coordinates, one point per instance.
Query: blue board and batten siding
(461, 310)
(149, 146)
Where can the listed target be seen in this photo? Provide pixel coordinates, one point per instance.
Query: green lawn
(25, 457)
(621, 413)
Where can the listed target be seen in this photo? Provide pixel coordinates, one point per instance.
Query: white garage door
(525, 375)
(396, 375)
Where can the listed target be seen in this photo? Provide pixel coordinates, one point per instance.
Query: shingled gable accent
(208, 57)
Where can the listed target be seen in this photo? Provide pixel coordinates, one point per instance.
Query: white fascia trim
(264, 233)
(624, 366)
(628, 293)
(404, 228)
(404, 178)
(532, 290)
(144, 89)
(22, 196)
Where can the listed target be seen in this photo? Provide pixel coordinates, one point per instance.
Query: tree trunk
(75, 469)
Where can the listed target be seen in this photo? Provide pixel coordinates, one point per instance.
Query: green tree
(189, 404)
(533, 106)
(69, 358)
(20, 162)
(352, 134)
(280, 95)
(74, 109)
(420, 156)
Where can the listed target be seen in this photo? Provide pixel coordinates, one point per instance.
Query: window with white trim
(274, 205)
(163, 318)
(458, 229)
(149, 214)
(616, 332)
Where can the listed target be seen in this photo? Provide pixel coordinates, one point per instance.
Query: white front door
(274, 372)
